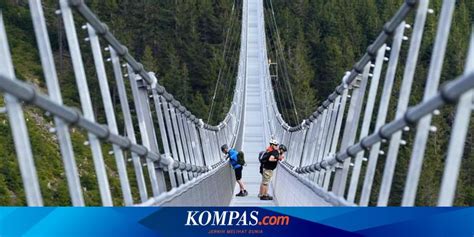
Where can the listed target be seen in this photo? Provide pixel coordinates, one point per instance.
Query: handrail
(449, 94)
(28, 94)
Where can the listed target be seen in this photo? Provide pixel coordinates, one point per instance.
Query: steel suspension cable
(280, 47)
(233, 65)
(284, 107)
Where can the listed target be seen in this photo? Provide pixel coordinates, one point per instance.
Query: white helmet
(273, 141)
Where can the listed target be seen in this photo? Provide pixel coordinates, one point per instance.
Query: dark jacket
(271, 165)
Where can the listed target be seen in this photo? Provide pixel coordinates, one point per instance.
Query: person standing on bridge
(269, 161)
(232, 154)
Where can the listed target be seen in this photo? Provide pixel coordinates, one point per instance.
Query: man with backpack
(269, 161)
(237, 161)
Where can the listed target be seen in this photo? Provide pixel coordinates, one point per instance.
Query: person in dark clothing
(232, 155)
(270, 159)
(281, 150)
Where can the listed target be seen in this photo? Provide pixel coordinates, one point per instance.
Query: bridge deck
(252, 179)
(254, 139)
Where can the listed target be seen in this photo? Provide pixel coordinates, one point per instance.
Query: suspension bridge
(332, 155)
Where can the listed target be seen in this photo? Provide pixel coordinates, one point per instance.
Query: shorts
(266, 176)
(238, 173)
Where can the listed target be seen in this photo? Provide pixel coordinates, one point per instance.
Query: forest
(193, 47)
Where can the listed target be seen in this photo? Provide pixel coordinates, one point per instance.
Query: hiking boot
(240, 194)
(266, 197)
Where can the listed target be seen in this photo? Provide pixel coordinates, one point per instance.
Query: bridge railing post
(205, 145)
(19, 128)
(62, 128)
(382, 113)
(127, 119)
(458, 137)
(332, 110)
(380, 120)
(177, 134)
(311, 153)
(110, 114)
(170, 129)
(310, 150)
(220, 140)
(301, 147)
(351, 126)
(308, 145)
(375, 76)
(294, 146)
(215, 146)
(211, 147)
(197, 143)
(335, 140)
(147, 130)
(164, 138)
(403, 98)
(431, 88)
(184, 139)
(85, 99)
(191, 144)
(287, 140)
(334, 132)
(324, 128)
(387, 91)
(321, 125)
(191, 141)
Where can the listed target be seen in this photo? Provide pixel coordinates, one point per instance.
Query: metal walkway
(333, 154)
(254, 134)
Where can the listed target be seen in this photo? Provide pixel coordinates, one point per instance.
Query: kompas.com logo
(233, 218)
